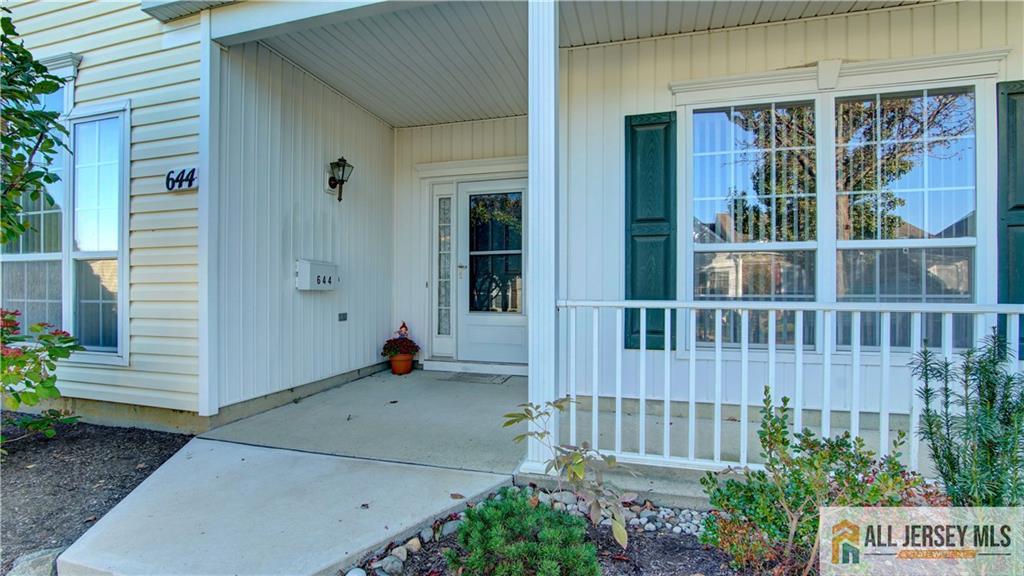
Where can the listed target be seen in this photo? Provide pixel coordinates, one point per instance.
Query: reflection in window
(905, 170)
(496, 252)
(905, 165)
(754, 181)
(766, 276)
(754, 174)
(97, 184)
(96, 304)
(905, 275)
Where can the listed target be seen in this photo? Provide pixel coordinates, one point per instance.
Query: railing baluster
(771, 356)
(594, 404)
(915, 402)
(947, 336)
(572, 375)
(744, 382)
(1013, 341)
(691, 422)
(718, 386)
(826, 364)
(883, 402)
(618, 378)
(643, 381)
(980, 329)
(667, 417)
(798, 391)
(855, 379)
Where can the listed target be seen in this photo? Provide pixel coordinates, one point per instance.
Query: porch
(716, 280)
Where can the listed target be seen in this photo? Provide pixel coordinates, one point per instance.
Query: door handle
(461, 267)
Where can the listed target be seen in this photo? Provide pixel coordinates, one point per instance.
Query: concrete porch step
(223, 508)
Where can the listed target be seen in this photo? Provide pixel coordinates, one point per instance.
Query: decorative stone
(565, 497)
(356, 572)
(650, 527)
(648, 513)
(38, 563)
(677, 529)
(413, 545)
(389, 564)
(400, 552)
(450, 527)
(426, 535)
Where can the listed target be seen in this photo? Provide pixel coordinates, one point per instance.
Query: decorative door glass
(496, 252)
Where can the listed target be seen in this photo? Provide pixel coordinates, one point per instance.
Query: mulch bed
(648, 554)
(53, 490)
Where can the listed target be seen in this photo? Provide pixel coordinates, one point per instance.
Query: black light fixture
(340, 172)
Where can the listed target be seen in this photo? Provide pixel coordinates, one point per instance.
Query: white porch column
(541, 218)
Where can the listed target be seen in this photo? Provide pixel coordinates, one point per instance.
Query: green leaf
(619, 533)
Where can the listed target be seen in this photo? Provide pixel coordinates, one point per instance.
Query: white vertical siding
(441, 143)
(129, 55)
(280, 126)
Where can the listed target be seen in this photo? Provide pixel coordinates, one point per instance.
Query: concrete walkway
(309, 488)
(222, 508)
(442, 419)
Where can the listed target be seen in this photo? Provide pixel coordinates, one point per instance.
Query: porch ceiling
(455, 61)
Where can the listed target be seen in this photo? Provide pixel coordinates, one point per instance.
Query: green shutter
(650, 220)
(1011, 192)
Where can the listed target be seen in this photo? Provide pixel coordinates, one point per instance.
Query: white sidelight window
(848, 195)
(68, 269)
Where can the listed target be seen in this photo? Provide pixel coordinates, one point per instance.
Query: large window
(66, 269)
(755, 213)
(904, 175)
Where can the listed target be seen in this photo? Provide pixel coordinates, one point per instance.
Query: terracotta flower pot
(401, 364)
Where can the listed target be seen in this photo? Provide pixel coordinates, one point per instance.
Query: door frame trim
(430, 175)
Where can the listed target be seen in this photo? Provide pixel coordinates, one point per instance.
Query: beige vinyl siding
(127, 55)
(600, 85)
(441, 143)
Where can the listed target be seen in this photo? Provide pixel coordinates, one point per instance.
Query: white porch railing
(695, 403)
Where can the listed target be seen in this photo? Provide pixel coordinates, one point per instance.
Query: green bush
(768, 521)
(513, 535)
(973, 421)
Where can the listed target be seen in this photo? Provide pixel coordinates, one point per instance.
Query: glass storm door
(491, 260)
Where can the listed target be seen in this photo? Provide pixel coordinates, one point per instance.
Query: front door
(491, 260)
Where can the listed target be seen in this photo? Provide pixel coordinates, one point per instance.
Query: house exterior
(652, 208)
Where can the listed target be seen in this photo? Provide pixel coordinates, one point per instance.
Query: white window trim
(81, 114)
(823, 83)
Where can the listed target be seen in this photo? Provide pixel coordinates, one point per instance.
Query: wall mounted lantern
(340, 172)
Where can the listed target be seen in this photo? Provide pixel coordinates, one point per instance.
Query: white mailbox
(316, 275)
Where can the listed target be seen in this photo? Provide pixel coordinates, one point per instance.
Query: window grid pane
(755, 174)
(444, 271)
(97, 185)
(96, 285)
(34, 288)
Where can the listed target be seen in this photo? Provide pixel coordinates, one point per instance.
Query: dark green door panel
(650, 220)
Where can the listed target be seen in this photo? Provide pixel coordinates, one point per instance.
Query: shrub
(512, 535)
(28, 370)
(769, 520)
(583, 467)
(32, 137)
(973, 421)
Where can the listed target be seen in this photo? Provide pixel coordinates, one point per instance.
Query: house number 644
(183, 179)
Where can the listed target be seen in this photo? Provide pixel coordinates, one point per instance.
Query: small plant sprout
(582, 467)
